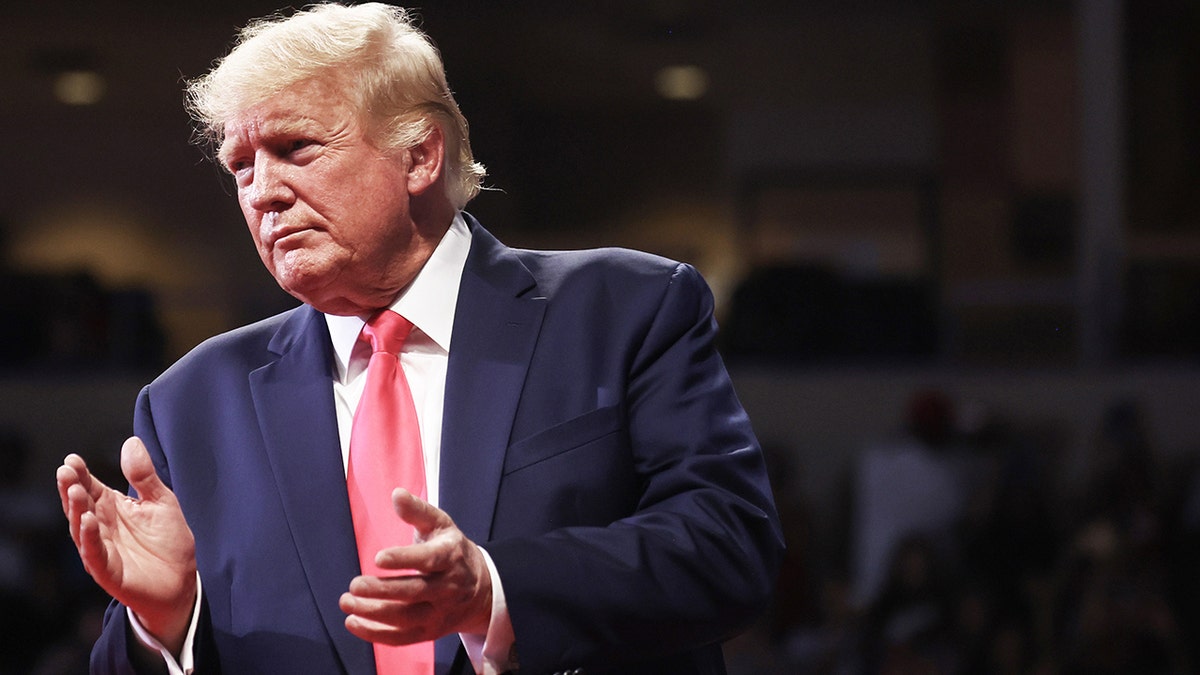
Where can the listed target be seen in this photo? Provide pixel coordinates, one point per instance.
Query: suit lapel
(293, 398)
(496, 324)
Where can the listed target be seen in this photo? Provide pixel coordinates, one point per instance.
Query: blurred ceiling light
(79, 87)
(681, 83)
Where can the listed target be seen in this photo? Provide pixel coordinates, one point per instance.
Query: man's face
(328, 211)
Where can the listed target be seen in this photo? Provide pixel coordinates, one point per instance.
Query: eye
(299, 144)
(299, 150)
(241, 170)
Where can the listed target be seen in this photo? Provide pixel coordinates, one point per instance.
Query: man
(594, 498)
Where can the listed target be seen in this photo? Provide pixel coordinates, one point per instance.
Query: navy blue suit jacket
(592, 443)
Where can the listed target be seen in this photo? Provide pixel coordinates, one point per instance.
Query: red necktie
(385, 453)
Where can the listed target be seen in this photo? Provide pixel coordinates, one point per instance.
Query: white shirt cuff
(186, 661)
(493, 653)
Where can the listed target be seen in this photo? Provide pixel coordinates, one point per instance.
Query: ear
(426, 161)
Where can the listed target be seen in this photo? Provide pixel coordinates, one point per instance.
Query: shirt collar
(428, 302)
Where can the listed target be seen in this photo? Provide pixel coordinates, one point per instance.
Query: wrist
(171, 624)
(483, 594)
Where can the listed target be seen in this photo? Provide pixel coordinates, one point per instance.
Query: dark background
(953, 244)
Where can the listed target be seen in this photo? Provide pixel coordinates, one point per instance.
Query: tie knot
(386, 331)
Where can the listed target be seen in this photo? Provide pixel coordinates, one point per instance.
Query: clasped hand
(441, 585)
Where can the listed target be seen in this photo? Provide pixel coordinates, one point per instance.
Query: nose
(270, 190)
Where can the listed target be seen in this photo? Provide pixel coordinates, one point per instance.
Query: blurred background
(955, 248)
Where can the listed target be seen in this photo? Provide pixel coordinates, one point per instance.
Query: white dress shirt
(429, 303)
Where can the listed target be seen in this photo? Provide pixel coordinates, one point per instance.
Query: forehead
(311, 107)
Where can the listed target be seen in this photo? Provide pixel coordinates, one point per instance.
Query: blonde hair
(389, 70)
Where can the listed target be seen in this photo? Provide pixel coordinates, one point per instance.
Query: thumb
(423, 516)
(139, 471)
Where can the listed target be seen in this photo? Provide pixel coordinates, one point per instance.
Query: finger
(424, 557)
(388, 622)
(64, 478)
(402, 588)
(92, 552)
(79, 502)
(84, 476)
(139, 471)
(422, 515)
(379, 632)
(75, 462)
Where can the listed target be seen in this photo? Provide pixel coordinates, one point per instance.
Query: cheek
(253, 221)
(254, 235)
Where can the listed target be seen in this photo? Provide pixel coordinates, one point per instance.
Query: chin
(324, 302)
(303, 288)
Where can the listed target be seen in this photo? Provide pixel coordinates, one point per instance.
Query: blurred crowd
(958, 548)
(50, 611)
(971, 549)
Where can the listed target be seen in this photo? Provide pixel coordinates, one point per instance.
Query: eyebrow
(270, 128)
(223, 153)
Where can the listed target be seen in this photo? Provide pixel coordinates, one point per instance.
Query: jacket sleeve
(694, 560)
(117, 651)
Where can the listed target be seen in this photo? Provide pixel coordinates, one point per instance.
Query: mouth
(288, 237)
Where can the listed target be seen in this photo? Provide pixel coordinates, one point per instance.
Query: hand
(141, 551)
(442, 584)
